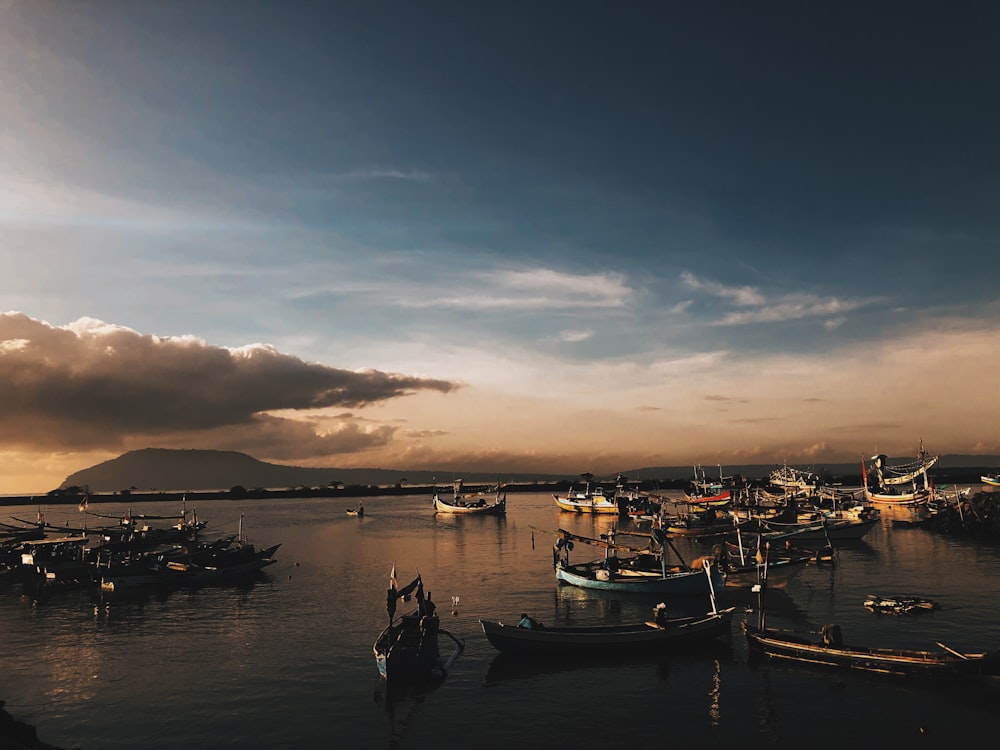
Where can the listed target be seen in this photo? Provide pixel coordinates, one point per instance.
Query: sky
(522, 237)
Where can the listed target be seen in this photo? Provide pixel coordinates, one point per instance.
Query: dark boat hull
(603, 639)
(903, 663)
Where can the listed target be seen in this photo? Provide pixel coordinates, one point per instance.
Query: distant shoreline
(257, 494)
(948, 477)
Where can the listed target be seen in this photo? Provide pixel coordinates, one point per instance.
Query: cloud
(526, 289)
(755, 307)
(383, 173)
(740, 295)
(92, 385)
(575, 337)
(793, 307)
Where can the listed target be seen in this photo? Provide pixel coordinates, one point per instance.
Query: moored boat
(898, 484)
(589, 500)
(642, 570)
(605, 639)
(991, 480)
(831, 651)
(407, 650)
(472, 503)
(790, 479)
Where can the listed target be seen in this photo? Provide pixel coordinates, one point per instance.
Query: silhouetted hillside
(165, 470)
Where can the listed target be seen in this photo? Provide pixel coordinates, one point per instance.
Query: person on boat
(528, 623)
(832, 636)
(660, 615)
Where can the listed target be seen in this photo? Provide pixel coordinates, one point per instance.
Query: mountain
(166, 470)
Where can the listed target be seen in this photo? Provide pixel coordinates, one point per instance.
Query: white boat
(901, 484)
(472, 503)
(788, 478)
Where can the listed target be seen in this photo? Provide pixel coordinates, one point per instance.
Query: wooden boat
(644, 570)
(227, 566)
(407, 651)
(748, 570)
(822, 530)
(991, 480)
(901, 484)
(831, 651)
(788, 478)
(589, 500)
(473, 503)
(717, 500)
(703, 522)
(606, 639)
(226, 560)
(359, 511)
(900, 605)
(54, 562)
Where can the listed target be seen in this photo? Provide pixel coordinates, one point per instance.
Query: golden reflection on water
(715, 696)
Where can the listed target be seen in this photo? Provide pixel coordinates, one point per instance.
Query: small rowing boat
(604, 639)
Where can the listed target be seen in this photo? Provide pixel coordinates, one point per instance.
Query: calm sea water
(286, 661)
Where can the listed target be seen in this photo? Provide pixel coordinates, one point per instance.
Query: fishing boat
(641, 570)
(900, 605)
(590, 499)
(700, 521)
(54, 562)
(743, 563)
(608, 639)
(472, 503)
(991, 480)
(407, 651)
(899, 484)
(225, 560)
(822, 529)
(789, 479)
(831, 651)
(359, 511)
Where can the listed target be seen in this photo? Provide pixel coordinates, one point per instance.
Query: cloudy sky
(539, 236)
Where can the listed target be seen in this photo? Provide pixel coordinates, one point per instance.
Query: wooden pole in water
(711, 587)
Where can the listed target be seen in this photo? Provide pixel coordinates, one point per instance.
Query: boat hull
(779, 572)
(408, 654)
(841, 530)
(604, 639)
(901, 663)
(594, 505)
(688, 582)
(499, 507)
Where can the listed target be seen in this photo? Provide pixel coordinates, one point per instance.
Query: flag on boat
(392, 577)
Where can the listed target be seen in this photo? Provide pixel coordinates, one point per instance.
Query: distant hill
(166, 470)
